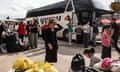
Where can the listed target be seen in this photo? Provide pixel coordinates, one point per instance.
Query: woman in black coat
(1, 30)
(51, 41)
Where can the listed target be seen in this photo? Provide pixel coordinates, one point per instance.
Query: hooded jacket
(22, 29)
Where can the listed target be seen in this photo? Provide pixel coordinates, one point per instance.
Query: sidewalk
(65, 55)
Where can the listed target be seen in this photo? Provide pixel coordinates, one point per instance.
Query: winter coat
(22, 29)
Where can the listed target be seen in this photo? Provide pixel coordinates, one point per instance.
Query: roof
(80, 5)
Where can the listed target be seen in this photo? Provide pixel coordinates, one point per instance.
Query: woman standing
(1, 30)
(21, 31)
(34, 34)
(51, 41)
(106, 42)
(70, 30)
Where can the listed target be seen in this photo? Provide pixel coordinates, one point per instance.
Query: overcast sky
(18, 8)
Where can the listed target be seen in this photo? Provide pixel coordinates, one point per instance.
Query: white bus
(84, 10)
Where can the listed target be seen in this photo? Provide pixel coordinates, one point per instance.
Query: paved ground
(65, 55)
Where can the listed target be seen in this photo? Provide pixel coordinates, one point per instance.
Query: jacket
(106, 39)
(22, 29)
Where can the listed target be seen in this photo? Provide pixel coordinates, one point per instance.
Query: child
(106, 42)
(90, 54)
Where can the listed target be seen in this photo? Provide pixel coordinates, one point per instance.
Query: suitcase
(12, 44)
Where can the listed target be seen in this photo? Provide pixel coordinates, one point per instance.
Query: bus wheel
(65, 35)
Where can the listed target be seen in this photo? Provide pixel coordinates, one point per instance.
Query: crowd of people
(20, 29)
(109, 38)
(109, 35)
(31, 30)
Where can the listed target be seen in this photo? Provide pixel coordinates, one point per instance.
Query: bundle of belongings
(108, 65)
(24, 64)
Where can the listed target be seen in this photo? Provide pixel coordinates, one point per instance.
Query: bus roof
(80, 5)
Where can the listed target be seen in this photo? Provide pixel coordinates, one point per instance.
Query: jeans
(94, 39)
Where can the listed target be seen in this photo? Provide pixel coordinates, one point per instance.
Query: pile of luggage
(24, 64)
(108, 65)
(105, 65)
(12, 43)
(78, 65)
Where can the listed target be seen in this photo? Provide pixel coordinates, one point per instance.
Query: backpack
(78, 63)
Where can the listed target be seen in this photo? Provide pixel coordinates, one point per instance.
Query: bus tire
(65, 35)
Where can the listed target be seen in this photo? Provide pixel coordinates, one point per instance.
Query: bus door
(82, 16)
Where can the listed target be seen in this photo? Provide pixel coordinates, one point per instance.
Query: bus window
(53, 17)
(59, 18)
(48, 18)
(30, 21)
(37, 18)
(41, 20)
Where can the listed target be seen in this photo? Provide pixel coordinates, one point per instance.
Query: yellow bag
(49, 68)
(23, 63)
(35, 69)
(42, 67)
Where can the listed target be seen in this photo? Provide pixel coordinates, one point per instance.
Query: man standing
(95, 32)
(86, 34)
(115, 34)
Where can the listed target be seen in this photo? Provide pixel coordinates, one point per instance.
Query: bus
(83, 10)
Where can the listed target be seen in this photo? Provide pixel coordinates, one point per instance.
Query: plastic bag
(23, 62)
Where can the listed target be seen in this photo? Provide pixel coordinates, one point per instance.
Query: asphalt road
(65, 54)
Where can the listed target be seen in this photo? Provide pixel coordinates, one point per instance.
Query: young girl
(90, 54)
(106, 42)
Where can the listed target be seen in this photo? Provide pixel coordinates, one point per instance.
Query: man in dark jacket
(95, 32)
(115, 34)
(1, 30)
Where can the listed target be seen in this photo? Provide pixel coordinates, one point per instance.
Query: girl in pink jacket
(106, 42)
